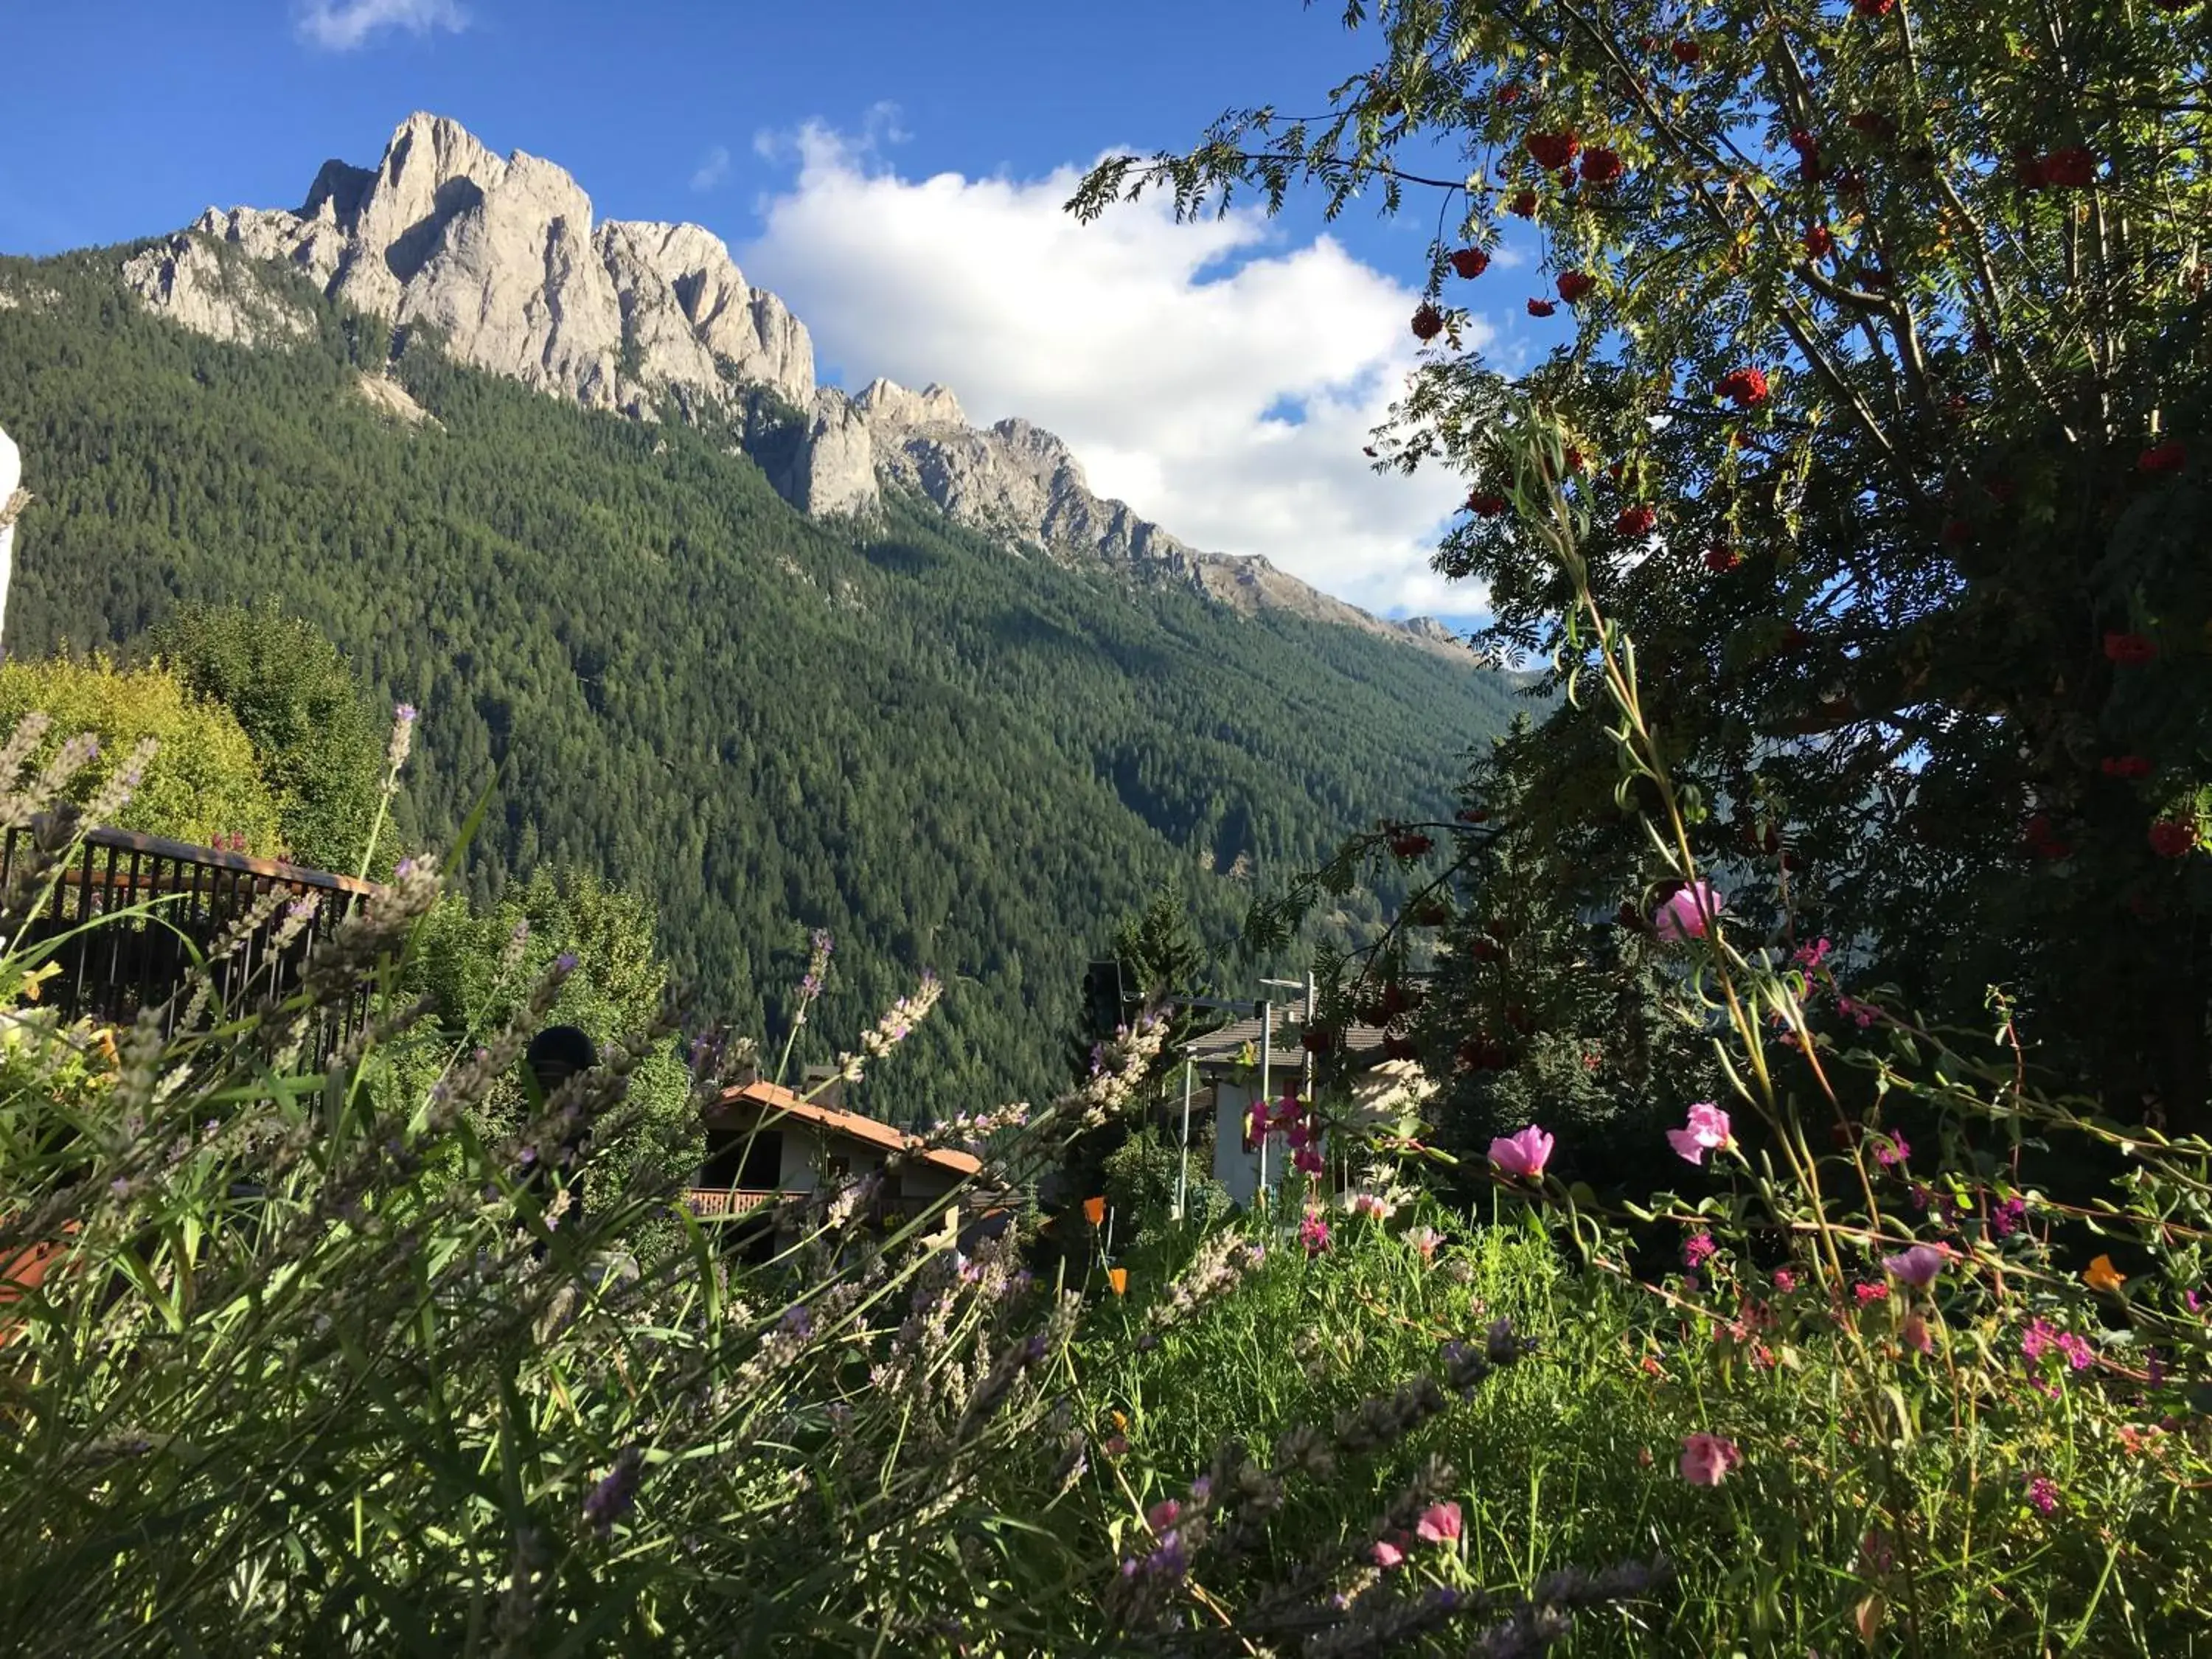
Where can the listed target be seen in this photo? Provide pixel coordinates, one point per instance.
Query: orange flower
(2102, 1275)
(1118, 1278)
(1094, 1212)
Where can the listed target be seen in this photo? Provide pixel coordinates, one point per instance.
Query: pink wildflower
(2043, 1492)
(1313, 1233)
(1810, 956)
(1892, 1151)
(1386, 1554)
(1784, 1280)
(1163, 1514)
(1707, 1458)
(1861, 1014)
(1867, 1293)
(1698, 1250)
(1439, 1524)
(1916, 1265)
(2036, 1340)
(1708, 1131)
(1425, 1240)
(1524, 1154)
(1308, 1160)
(1917, 1335)
(2079, 1355)
(1688, 913)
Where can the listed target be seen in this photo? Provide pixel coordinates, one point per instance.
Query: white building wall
(1235, 1168)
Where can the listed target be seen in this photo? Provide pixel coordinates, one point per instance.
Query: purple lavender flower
(617, 1493)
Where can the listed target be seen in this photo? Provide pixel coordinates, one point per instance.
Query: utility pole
(1264, 1099)
(1183, 1168)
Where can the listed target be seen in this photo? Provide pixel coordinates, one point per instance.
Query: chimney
(12, 501)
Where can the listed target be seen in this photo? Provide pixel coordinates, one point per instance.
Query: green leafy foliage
(203, 780)
(1887, 387)
(319, 745)
(952, 758)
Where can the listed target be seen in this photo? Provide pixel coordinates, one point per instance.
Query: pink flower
(1308, 1160)
(1313, 1233)
(1708, 1131)
(1916, 1265)
(1867, 1293)
(1892, 1151)
(2078, 1353)
(2043, 1492)
(2035, 1341)
(1707, 1458)
(1163, 1514)
(1425, 1240)
(1386, 1554)
(1524, 1154)
(1439, 1524)
(1698, 1250)
(1784, 1280)
(1917, 1335)
(1688, 913)
(1810, 956)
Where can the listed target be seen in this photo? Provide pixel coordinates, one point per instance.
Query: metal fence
(182, 902)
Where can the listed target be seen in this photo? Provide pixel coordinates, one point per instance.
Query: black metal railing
(163, 907)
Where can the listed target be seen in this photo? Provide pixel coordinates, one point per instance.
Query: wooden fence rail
(191, 894)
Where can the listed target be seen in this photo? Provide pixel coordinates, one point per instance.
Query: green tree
(477, 967)
(294, 693)
(202, 782)
(1886, 365)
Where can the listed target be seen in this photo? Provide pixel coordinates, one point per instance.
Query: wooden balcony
(725, 1203)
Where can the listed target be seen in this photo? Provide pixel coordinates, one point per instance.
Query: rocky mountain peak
(503, 259)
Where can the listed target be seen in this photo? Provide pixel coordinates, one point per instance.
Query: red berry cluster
(1744, 387)
(1485, 505)
(1820, 242)
(1873, 8)
(2125, 766)
(1470, 262)
(2074, 168)
(1636, 520)
(1523, 204)
(1601, 167)
(1573, 284)
(1428, 322)
(1553, 150)
(2129, 650)
(2043, 841)
(2171, 838)
(1720, 558)
(2161, 458)
(1687, 52)
(1409, 843)
(1541, 307)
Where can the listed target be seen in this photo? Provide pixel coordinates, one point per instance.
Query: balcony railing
(190, 896)
(725, 1203)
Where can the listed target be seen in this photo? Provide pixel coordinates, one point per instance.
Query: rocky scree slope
(502, 259)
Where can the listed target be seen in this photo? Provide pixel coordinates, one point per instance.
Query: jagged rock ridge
(503, 259)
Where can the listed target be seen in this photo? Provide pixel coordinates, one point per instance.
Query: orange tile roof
(771, 1097)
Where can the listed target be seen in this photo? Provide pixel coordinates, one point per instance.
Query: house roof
(770, 1098)
(1223, 1048)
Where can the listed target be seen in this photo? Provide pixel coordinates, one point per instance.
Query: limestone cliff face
(503, 258)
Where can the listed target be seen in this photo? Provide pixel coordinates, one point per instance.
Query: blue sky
(893, 170)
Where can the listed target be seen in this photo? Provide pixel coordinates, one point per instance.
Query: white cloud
(1176, 360)
(714, 168)
(342, 24)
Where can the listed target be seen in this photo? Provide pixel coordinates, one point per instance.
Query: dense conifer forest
(647, 665)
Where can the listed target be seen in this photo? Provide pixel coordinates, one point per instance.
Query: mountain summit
(502, 259)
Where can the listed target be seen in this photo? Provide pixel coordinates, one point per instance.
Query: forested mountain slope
(953, 758)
